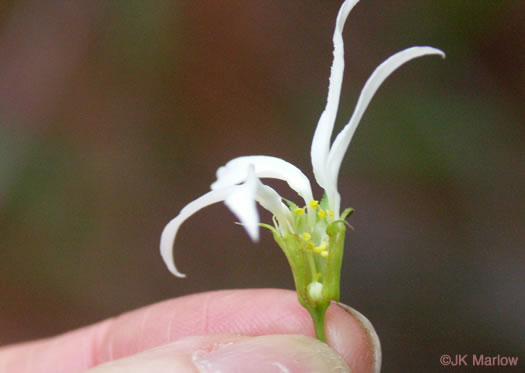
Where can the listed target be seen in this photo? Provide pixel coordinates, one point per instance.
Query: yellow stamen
(321, 213)
(306, 236)
(322, 247)
(330, 213)
(314, 204)
(310, 245)
(299, 211)
(324, 254)
(318, 277)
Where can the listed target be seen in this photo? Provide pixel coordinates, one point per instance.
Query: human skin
(200, 321)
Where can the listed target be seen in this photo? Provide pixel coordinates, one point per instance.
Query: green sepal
(292, 248)
(268, 226)
(331, 278)
(290, 204)
(347, 212)
(333, 227)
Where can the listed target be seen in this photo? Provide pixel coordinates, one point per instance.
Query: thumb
(229, 353)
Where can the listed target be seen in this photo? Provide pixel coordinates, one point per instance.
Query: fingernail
(373, 338)
(269, 354)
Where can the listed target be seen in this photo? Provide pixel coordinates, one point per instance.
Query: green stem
(318, 314)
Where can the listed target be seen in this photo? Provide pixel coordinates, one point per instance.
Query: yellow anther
(310, 245)
(306, 236)
(299, 211)
(318, 277)
(330, 213)
(321, 213)
(314, 204)
(322, 247)
(324, 254)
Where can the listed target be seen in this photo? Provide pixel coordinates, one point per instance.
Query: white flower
(238, 182)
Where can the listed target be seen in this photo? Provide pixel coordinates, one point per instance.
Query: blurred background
(115, 114)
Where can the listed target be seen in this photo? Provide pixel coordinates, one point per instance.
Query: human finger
(246, 312)
(233, 353)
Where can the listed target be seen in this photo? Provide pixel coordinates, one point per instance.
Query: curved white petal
(240, 199)
(272, 201)
(342, 140)
(323, 132)
(241, 202)
(170, 231)
(236, 171)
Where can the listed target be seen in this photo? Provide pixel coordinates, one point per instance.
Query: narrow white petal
(272, 201)
(342, 140)
(170, 231)
(323, 132)
(242, 203)
(236, 171)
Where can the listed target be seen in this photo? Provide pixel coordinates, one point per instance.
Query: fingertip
(353, 336)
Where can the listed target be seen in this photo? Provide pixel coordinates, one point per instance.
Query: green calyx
(314, 249)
